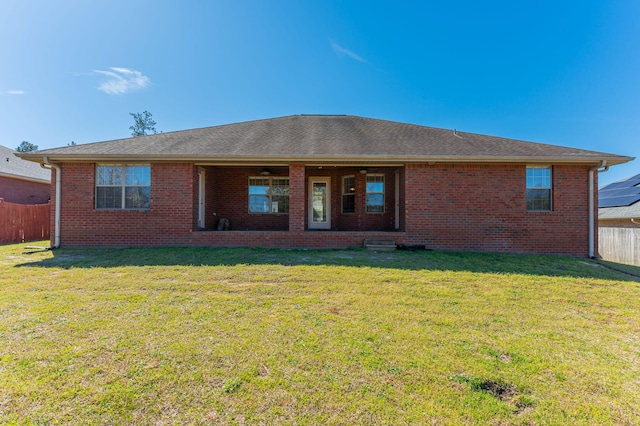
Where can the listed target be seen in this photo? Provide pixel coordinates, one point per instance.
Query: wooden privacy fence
(23, 222)
(620, 245)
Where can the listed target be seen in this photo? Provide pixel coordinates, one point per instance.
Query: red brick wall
(297, 199)
(483, 208)
(294, 239)
(443, 206)
(20, 191)
(169, 221)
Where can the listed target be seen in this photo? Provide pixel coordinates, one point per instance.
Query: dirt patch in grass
(505, 392)
(506, 358)
(502, 391)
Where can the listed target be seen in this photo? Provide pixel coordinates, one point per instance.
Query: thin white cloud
(341, 51)
(14, 92)
(122, 80)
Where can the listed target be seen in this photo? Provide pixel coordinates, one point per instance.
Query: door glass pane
(319, 202)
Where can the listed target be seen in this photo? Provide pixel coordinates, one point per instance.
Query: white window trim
(270, 195)
(384, 195)
(123, 185)
(351, 194)
(550, 187)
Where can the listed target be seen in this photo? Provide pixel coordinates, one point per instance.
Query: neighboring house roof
(620, 200)
(626, 212)
(17, 168)
(322, 138)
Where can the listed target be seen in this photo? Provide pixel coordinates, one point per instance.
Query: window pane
(538, 199)
(280, 204)
(375, 203)
(137, 198)
(259, 204)
(138, 175)
(109, 175)
(348, 203)
(538, 177)
(348, 194)
(110, 184)
(280, 187)
(375, 187)
(109, 197)
(375, 194)
(539, 188)
(375, 183)
(269, 195)
(349, 185)
(259, 186)
(546, 179)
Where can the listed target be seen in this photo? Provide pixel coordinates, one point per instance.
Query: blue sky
(558, 72)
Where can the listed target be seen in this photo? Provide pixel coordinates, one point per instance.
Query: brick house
(23, 182)
(313, 181)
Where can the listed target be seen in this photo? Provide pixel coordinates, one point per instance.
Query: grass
(249, 336)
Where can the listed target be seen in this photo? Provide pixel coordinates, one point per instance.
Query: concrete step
(379, 244)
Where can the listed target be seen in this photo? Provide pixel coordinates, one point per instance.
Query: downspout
(56, 223)
(592, 224)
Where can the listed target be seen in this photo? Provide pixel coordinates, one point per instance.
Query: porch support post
(297, 198)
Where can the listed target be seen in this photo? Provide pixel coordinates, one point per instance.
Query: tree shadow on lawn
(394, 259)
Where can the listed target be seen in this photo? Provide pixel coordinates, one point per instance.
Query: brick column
(415, 203)
(297, 199)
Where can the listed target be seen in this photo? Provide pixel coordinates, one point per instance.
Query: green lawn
(248, 336)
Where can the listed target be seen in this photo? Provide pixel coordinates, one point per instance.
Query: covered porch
(299, 205)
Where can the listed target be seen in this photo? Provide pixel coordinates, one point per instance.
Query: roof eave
(25, 178)
(587, 160)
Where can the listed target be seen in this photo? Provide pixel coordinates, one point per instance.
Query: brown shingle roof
(322, 138)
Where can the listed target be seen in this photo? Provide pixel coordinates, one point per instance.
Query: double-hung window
(121, 186)
(539, 188)
(375, 193)
(268, 195)
(348, 194)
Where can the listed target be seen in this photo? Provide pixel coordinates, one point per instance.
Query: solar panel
(615, 185)
(619, 194)
(618, 201)
(632, 190)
